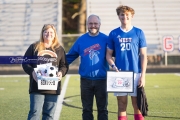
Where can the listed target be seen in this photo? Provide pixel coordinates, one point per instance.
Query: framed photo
(122, 81)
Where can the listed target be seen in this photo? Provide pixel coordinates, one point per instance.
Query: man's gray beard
(93, 34)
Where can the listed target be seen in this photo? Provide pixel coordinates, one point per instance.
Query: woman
(44, 100)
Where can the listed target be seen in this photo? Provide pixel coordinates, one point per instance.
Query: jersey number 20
(125, 46)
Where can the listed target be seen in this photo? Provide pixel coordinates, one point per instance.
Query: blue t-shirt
(92, 52)
(126, 46)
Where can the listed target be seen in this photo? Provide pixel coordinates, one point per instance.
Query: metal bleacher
(157, 18)
(21, 22)
(168, 21)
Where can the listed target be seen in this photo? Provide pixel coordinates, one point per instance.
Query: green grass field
(162, 90)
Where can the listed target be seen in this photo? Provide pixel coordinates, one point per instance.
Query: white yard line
(61, 97)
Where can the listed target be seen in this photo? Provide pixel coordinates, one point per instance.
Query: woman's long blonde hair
(55, 43)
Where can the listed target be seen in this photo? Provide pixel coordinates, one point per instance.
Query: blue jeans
(45, 103)
(89, 89)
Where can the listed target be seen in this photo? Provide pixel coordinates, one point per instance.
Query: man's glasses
(93, 24)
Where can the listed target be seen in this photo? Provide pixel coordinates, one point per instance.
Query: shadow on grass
(149, 116)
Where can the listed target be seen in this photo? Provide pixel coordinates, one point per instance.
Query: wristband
(112, 65)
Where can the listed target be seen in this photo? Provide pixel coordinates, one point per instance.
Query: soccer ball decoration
(51, 71)
(47, 71)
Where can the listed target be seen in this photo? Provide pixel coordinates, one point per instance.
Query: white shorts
(136, 80)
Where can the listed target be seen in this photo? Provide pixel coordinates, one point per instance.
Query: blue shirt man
(91, 47)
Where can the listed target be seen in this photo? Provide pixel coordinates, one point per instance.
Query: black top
(60, 62)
